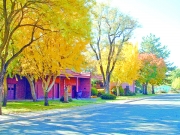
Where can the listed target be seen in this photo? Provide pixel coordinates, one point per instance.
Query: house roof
(70, 73)
(97, 77)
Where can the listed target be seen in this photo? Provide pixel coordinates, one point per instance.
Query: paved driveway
(156, 115)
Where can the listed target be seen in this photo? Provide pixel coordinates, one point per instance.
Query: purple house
(20, 89)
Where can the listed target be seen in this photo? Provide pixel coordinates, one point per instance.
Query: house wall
(131, 87)
(124, 85)
(85, 87)
(62, 86)
(21, 88)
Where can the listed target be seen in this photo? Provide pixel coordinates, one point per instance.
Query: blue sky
(159, 17)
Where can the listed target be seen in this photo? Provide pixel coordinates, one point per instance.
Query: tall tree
(160, 73)
(152, 45)
(52, 56)
(171, 76)
(111, 30)
(176, 83)
(23, 22)
(127, 67)
(151, 70)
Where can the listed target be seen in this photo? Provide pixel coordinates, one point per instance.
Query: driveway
(151, 116)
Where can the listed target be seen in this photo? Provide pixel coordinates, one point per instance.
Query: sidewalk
(33, 115)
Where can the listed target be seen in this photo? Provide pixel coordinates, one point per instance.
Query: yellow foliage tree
(127, 67)
(24, 22)
(50, 57)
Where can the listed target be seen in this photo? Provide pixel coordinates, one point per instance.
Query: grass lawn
(29, 106)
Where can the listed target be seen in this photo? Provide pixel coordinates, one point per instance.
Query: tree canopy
(152, 45)
(152, 71)
(111, 29)
(127, 67)
(25, 22)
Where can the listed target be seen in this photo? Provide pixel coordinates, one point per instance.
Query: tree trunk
(31, 83)
(46, 99)
(5, 92)
(1, 99)
(145, 91)
(66, 95)
(106, 84)
(153, 89)
(117, 90)
(143, 88)
(1, 87)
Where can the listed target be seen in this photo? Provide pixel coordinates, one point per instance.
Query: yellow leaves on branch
(128, 65)
(53, 53)
(60, 30)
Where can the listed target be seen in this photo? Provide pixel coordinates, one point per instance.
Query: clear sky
(159, 17)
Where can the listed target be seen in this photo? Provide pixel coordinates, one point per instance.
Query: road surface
(151, 116)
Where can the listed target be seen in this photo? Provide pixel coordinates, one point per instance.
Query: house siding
(75, 83)
(21, 88)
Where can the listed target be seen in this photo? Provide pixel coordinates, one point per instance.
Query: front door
(56, 90)
(11, 91)
(73, 91)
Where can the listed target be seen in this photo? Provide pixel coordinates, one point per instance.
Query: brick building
(20, 89)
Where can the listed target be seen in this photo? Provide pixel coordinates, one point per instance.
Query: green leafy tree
(175, 74)
(176, 83)
(152, 45)
(171, 76)
(152, 70)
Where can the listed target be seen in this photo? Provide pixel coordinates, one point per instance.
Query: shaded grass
(29, 106)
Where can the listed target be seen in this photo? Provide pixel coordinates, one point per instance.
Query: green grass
(29, 106)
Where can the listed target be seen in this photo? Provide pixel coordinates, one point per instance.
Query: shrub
(70, 99)
(114, 91)
(94, 91)
(62, 99)
(108, 96)
(100, 92)
(129, 93)
(121, 91)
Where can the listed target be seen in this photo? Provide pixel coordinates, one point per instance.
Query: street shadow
(136, 118)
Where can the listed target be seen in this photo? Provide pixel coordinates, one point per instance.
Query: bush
(121, 91)
(114, 91)
(129, 93)
(94, 91)
(62, 99)
(108, 96)
(100, 92)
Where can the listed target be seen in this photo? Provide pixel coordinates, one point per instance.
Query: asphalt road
(152, 116)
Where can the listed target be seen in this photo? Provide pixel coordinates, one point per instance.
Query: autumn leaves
(39, 39)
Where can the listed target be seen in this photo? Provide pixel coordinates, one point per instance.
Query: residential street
(151, 116)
